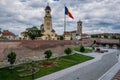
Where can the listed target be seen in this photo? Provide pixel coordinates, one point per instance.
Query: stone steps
(117, 76)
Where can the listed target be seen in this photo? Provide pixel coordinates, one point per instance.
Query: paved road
(113, 71)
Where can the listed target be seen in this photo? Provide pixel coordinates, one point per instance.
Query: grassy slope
(87, 50)
(5, 73)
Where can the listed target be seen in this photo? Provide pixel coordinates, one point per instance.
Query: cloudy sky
(98, 16)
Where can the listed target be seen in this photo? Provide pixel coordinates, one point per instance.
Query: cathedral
(49, 33)
(46, 28)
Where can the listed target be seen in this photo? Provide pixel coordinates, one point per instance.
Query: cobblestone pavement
(117, 76)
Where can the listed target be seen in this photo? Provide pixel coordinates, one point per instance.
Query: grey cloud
(97, 15)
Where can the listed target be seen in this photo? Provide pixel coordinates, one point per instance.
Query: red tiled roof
(7, 33)
(67, 33)
(84, 34)
(103, 34)
(56, 35)
(73, 31)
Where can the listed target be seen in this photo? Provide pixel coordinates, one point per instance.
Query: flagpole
(64, 22)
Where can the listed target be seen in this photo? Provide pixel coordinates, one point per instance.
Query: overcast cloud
(98, 16)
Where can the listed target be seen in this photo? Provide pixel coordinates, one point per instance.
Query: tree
(3, 38)
(105, 36)
(33, 32)
(94, 36)
(48, 54)
(82, 49)
(71, 38)
(68, 51)
(94, 42)
(11, 58)
(113, 37)
(61, 38)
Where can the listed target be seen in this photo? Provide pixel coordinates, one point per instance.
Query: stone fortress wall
(27, 50)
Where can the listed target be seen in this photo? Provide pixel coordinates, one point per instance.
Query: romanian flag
(67, 12)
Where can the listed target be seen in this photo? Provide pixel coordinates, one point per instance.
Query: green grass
(87, 49)
(64, 62)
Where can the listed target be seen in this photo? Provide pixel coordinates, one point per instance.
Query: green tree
(68, 51)
(11, 58)
(113, 37)
(82, 49)
(94, 36)
(118, 37)
(61, 38)
(3, 38)
(105, 36)
(33, 32)
(71, 38)
(48, 54)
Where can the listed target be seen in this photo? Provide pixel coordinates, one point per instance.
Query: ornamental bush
(68, 51)
(48, 54)
(82, 49)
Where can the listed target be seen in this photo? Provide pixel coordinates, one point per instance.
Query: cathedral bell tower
(46, 28)
(47, 19)
(79, 27)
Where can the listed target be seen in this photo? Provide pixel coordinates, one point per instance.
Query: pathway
(112, 72)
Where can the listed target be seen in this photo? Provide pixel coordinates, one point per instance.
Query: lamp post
(33, 70)
(78, 37)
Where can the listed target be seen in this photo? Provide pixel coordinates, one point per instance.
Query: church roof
(47, 7)
(79, 21)
(53, 30)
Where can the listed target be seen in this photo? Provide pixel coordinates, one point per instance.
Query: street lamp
(33, 70)
(78, 38)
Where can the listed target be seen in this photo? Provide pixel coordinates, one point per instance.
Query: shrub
(82, 49)
(48, 54)
(61, 37)
(11, 58)
(68, 51)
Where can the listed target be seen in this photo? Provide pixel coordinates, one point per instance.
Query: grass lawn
(64, 62)
(87, 49)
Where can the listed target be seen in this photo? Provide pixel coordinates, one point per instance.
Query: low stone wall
(90, 70)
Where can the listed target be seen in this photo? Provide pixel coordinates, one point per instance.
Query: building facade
(72, 35)
(9, 35)
(106, 35)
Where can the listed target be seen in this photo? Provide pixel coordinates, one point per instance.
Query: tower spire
(47, 3)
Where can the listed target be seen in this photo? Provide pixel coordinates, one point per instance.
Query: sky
(98, 16)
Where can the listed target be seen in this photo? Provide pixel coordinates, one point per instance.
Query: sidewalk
(95, 54)
(112, 72)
